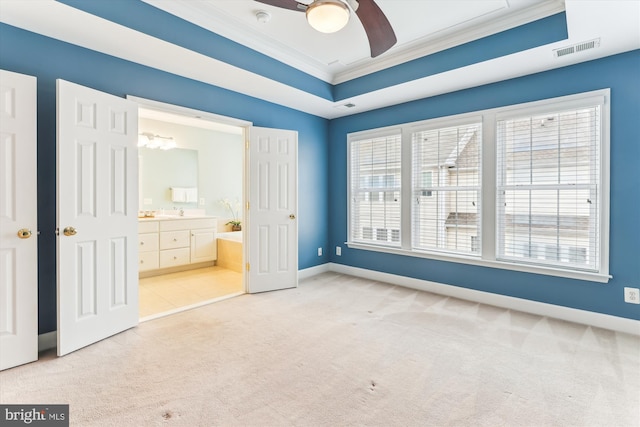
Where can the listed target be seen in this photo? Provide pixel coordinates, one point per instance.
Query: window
(522, 187)
(548, 185)
(446, 187)
(375, 190)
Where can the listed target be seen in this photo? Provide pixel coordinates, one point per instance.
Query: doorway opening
(191, 193)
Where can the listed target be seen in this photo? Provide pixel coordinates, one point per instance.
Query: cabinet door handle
(141, 243)
(175, 240)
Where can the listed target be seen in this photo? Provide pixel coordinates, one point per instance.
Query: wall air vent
(568, 50)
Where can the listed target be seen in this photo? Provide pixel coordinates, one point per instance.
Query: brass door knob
(292, 216)
(24, 233)
(69, 231)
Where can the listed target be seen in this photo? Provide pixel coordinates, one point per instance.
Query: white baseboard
(584, 317)
(47, 341)
(313, 271)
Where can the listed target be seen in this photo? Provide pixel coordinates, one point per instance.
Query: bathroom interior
(190, 194)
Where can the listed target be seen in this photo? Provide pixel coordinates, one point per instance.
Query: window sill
(461, 259)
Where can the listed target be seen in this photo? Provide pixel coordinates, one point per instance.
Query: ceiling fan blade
(285, 4)
(377, 26)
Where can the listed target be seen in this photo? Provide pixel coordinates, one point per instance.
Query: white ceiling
(616, 23)
(421, 27)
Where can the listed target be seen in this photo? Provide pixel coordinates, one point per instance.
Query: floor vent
(568, 50)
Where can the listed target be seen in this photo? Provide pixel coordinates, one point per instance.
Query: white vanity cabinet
(180, 242)
(203, 245)
(148, 246)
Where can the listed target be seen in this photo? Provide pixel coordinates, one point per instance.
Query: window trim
(488, 225)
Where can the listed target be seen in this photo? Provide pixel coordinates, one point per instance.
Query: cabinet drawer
(174, 239)
(146, 226)
(148, 261)
(174, 257)
(148, 242)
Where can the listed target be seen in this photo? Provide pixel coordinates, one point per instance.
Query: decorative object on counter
(234, 208)
(146, 214)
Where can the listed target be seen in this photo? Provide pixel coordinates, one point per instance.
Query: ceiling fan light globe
(327, 16)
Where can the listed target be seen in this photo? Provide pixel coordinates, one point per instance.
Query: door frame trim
(185, 111)
(225, 121)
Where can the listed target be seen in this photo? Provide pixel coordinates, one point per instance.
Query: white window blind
(375, 166)
(521, 187)
(548, 175)
(446, 188)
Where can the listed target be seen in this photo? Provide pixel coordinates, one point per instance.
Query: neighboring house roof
(566, 222)
(461, 219)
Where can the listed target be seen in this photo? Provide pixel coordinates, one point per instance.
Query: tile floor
(169, 292)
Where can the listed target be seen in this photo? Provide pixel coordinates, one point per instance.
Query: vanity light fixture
(149, 140)
(327, 16)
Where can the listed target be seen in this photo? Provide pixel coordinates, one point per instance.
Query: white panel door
(18, 221)
(97, 215)
(273, 206)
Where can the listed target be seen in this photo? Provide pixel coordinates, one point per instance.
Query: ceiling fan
(331, 15)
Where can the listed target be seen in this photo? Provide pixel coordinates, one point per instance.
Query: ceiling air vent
(346, 106)
(568, 50)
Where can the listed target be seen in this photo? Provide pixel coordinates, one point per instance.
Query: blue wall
(49, 59)
(537, 33)
(322, 145)
(148, 19)
(621, 73)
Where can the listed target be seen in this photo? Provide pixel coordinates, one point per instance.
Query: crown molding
(449, 38)
(213, 19)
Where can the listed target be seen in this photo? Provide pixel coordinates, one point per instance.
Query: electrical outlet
(319, 251)
(338, 251)
(632, 295)
(202, 202)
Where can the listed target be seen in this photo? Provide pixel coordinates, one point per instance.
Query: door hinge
(246, 144)
(248, 267)
(57, 231)
(247, 205)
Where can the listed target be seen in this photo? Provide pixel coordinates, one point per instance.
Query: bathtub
(235, 236)
(230, 250)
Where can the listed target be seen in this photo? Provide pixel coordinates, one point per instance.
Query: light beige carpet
(343, 351)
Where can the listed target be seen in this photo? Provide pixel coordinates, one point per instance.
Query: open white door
(97, 215)
(273, 206)
(18, 221)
